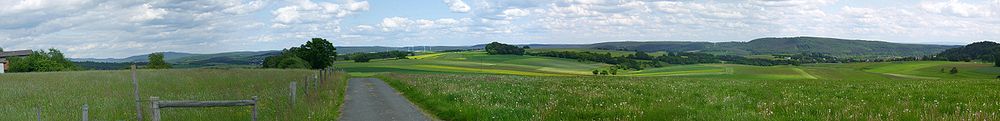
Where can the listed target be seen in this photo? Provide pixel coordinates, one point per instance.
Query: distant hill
(791, 45)
(188, 60)
(976, 51)
(137, 58)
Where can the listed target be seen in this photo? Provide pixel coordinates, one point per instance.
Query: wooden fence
(158, 104)
(314, 81)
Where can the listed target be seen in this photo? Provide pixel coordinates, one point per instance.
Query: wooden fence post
(291, 98)
(38, 113)
(315, 80)
(320, 81)
(291, 94)
(306, 89)
(135, 92)
(85, 113)
(255, 108)
(155, 107)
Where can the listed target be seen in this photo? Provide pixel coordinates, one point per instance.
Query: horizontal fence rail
(158, 104)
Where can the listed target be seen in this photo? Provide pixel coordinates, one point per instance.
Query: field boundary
(804, 73)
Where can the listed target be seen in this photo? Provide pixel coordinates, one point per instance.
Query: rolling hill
(792, 45)
(137, 58)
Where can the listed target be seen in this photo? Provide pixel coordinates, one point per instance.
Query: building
(11, 54)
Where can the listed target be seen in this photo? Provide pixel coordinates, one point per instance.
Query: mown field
(61, 95)
(511, 97)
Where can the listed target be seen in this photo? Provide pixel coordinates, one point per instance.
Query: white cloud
(145, 12)
(394, 22)
(514, 13)
(306, 11)
(957, 8)
(458, 6)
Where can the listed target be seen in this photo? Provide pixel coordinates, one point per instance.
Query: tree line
(641, 60)
(497, 48)
(366, 57)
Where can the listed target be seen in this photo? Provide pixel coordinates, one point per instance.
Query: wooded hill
(792, 45)
(984, 51)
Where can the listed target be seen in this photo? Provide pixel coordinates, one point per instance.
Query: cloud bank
(106, 28)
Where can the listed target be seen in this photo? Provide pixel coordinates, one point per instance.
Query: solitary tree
(604, 72)
(156, 61)
(614, 71)
(597, 72)
(318, 52)
(954, 70)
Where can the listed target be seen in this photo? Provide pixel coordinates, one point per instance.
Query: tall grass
(60, 95)
(506, 97)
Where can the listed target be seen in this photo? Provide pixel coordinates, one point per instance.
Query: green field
(508, 97)
(61, 95)
(475, 62)
(476, 86)
(479, 62)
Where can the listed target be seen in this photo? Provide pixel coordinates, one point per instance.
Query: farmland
(511, 97)
(476, 86)
(479, 62)
(60, 95)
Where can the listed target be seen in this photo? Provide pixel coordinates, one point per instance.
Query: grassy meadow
(60, 95)
(511, 97)
(476, 86)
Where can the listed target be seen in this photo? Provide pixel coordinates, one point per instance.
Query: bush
(294, 63)
(41, 61)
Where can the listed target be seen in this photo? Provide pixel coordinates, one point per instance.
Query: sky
(121, 28)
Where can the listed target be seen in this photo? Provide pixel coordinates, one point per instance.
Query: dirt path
(370, 99)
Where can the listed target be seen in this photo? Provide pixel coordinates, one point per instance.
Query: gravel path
(370, 99)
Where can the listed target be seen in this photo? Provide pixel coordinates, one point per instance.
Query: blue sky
(120, 28)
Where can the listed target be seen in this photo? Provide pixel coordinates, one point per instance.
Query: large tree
(156, 61)
(318, 53)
